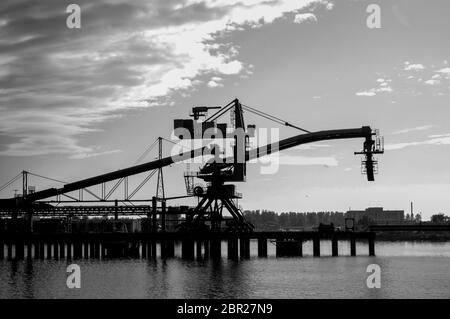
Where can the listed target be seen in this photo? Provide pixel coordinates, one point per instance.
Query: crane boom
(363, 132)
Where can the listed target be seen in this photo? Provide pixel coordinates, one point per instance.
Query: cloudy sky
(79, 102)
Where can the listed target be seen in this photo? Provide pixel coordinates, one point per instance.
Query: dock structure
(144, 245)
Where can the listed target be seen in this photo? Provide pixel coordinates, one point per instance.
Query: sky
(77, 102)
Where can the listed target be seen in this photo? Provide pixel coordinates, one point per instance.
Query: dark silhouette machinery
(219, 171)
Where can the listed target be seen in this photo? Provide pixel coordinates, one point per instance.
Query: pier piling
(372, 246)
(153, 249)
(144, 249)
(36, 249)
(29, 249)
(77, 249)
(232, 248)
(216, 248)
(49, 249)
(2, 250)
(167, 248)
(352, 246)
(316, 246)
(41, 249)
(10, 250)
(244, 247)
(206, 248)
(103, 250)
(187, 249)
(62, 250)
(198, 249)
(334, 247)
(55, 250)
(85, 249)
(97, 249)
(262, 247)
(69, 250)
(20, 249)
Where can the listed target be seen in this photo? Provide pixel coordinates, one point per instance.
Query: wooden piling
(334, 246)
(352, 246)
(97, 249)
(316, 246)
(244, 247)
(9, 250)
(2, 250)
(198, 249)
(41, 249)
(20, 249)
(103, 250)
(69, 250)
(372, 246)
(153, 249)
(144, 249)
(29, 249)
(49, 249)
(187, 249)
(233, 246)
(216, 249)
(55, 250)
(36, 249)
(206, 249)
(170, 248)
(167, 248)
(85, 249)
(91, 249)
(62, 249)
(77, 249)
(262, 247)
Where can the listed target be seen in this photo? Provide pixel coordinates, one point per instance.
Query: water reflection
(28, 279)
(423, 273)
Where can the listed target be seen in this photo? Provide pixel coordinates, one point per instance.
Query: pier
(145, 245)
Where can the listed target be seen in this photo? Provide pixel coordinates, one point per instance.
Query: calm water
(408, 270)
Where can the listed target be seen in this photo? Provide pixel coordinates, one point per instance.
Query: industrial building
(377, 215)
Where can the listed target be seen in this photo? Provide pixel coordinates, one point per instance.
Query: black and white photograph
(237, 152)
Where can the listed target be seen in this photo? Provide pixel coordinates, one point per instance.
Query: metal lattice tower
(160, 183)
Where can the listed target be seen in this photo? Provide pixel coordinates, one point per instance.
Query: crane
(219, 194)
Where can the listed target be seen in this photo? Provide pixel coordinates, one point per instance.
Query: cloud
(312, 146)
(443, 139)
(427, 81)
(413, 129)
(445, 72)
(383, 86)
(305, 17)
(432, 82)
(57, 83)
(414, 67)
(213, 84)
(297, 160)
(366, 93)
